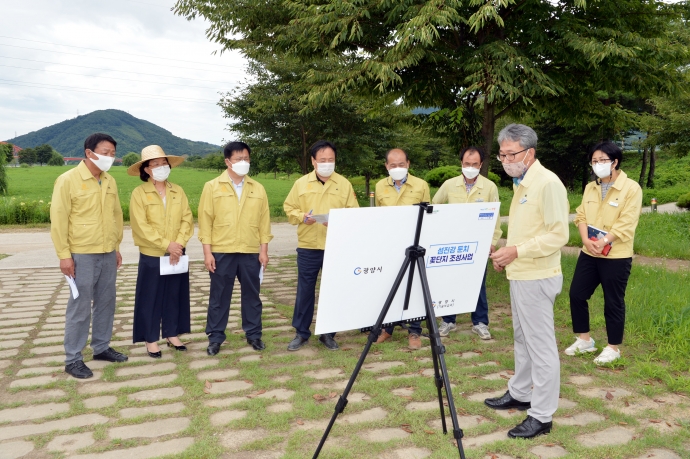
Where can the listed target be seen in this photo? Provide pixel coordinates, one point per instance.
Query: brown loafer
(384, 336)
(415, 341)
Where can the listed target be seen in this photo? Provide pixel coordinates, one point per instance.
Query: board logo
(486, 215)
(456, 253)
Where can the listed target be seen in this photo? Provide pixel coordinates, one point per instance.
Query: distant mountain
(130, 133)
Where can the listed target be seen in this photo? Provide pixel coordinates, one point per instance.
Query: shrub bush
(15, 211)
(130, 158)
(495, 178)
(56, 159)
(684, 201)
(436, 177)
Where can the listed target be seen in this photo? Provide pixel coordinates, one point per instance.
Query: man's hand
(263, 259)
(210, 262)
(67, 267)
(263, 255)
(325, 224)
(492, 249)
(174, 259)
(504, 256)
(175, 249)
(497, 268)
(308, 219)
(118, 257)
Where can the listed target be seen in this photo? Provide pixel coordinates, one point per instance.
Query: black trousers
(245, 267)
(612, 274)
(159, 302)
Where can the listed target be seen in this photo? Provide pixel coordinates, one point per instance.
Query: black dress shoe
(506, 402)
(257, 344)
(213, 348)
(177, 348)
(530, 428)
(297, 343)
(153, 355)
(78, 370)
(111, 355)
(329, 342)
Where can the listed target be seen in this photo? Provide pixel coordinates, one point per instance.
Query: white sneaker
(581, 346)
(482, 330)
(608, 355)
(445, 328)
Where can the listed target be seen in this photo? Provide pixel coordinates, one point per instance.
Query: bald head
(397, 158)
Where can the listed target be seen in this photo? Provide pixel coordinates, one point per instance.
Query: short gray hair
(518, 133)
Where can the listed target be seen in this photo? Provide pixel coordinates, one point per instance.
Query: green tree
(27, 156)
(4, 185)
(273, 116)
(56, 159)
(475, 61)
(43, 153)
(130, 158)
(7, 151)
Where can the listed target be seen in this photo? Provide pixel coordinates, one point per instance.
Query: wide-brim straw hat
(153, 152)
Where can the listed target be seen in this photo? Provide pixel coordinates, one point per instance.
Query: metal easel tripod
(414, 256)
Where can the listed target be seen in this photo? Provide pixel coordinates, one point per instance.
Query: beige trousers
(537, 376)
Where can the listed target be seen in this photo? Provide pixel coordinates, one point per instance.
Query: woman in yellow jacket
(609, 213)
(162, 223)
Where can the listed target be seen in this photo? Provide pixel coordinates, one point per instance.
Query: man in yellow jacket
(86, 229)
(471, 187)
(314, 194)
(537, 229)
(234, 229)
(401, 189)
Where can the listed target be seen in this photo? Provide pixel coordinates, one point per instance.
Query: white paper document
(261, 275)
(320, 218)
(182, 266)
(72, 287)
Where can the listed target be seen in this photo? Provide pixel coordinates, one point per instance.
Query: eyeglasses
(236, 160)
(601, 161)
(509, 156)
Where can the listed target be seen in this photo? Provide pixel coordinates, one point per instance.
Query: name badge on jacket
(614, 204)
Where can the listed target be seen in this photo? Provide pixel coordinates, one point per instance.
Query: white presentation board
(365, 249)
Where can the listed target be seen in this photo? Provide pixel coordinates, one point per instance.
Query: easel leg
(438, 351)
(373, 336)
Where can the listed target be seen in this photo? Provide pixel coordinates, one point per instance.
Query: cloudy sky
(60, 58)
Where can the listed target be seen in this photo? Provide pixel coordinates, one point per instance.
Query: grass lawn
(657, 235)
(282, 400)
(36, 183)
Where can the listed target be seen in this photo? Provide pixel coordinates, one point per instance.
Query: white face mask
(470, 172)
(602, 170)
(161, 173)
(325, 169)
(397, 173)
(241, 168)
(103, 162)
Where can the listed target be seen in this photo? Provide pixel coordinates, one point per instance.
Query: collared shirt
(413, 191)
(231, 225)
(468, 186)
(85, 217)
(454, 191)
(538, 225)
(238, 187)
(618, 214)
(157, 221)
(402, 182)
(308, 194)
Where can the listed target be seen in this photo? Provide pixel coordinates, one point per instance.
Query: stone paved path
(244, 404)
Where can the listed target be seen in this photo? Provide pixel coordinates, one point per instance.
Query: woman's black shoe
(153, 355)
(178, 348)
